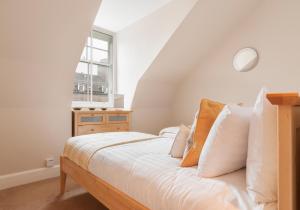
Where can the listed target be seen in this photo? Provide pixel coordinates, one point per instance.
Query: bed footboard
(108, 195)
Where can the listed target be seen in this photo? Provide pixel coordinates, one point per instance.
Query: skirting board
(26, 177)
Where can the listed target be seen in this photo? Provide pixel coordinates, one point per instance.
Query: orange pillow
(208, 112)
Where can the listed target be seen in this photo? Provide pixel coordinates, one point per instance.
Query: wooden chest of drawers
(88, 122)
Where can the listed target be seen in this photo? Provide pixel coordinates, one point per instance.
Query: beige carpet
(43, 195)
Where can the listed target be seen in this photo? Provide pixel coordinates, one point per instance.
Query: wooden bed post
(63, 177)
(288, 124)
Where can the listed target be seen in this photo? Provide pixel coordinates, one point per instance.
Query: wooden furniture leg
(63, 178)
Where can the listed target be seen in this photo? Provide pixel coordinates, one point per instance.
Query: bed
(142, 175)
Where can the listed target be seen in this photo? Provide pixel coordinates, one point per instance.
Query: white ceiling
(114, 15)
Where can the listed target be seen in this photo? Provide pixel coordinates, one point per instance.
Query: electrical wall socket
(49, 162)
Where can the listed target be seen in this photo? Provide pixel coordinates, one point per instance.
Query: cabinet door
(90, 119)
(117, 118)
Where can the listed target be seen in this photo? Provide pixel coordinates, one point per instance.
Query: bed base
(288, 161)
(108, 195)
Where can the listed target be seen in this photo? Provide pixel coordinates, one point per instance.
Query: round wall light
(245, 59)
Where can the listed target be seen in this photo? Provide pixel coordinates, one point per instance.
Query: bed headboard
(288, 148)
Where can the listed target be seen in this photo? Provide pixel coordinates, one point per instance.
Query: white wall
(40, 45)
(203, 30)
(274, 30)
(140, 43)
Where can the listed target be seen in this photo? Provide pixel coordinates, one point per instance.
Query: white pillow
(180, 141)
(169, 132)
(262, 151)
(189, 142)
(225, 149)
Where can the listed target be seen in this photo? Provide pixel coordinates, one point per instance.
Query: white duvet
(146, 172)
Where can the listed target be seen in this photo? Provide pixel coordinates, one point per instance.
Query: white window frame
(113, 87)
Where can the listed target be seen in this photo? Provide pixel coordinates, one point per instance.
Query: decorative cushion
(180, 141)
(208, 112)
(225, 149)
(261, 169)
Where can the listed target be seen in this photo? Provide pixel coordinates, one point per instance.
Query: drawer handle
(92, 129)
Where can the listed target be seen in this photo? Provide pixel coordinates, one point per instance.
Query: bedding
(180, 141)
(189, 142)
(169, 132)
(225, 149)
(262, 151)
(80, 149)
(208, 112)
(145, 171)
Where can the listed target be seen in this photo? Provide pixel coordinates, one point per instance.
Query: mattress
(146, 172)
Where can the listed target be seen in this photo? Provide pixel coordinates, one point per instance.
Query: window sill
(87, 104)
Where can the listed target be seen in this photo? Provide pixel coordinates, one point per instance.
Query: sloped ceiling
(274, 30)
(40, 45)
(139, 44)
(207, 25)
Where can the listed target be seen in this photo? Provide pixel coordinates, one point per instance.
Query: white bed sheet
(146, 172)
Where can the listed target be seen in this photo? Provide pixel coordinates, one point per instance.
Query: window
(93, 85)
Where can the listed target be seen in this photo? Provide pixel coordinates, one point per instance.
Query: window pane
(100, 56)
(82, 68)
(89, 41)
(81, 88)
(100, 44)
(102, 36)
(84, 54)
(100, 83)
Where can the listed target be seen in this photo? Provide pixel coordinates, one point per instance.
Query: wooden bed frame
(288, 148)
(108, 195)
(288, 122)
